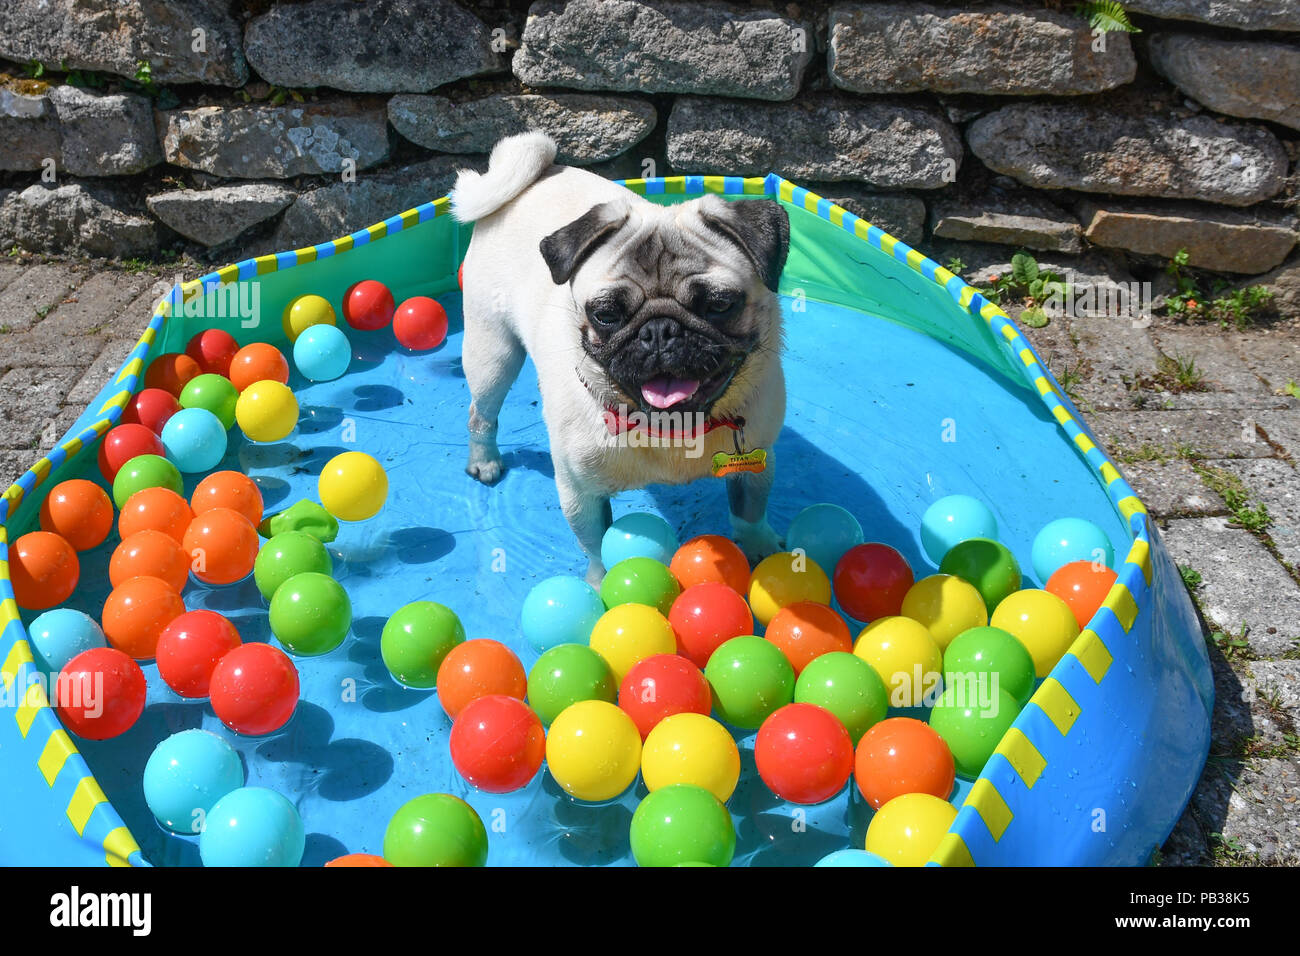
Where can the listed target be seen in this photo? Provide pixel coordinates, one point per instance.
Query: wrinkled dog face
(676, 303)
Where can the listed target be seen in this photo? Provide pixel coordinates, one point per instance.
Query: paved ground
(1213, 455)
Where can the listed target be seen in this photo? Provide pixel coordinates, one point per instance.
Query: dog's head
(677, 304)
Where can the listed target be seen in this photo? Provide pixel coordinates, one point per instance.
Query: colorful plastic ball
(189, 648)
(229, 489)
(266, 411)
(628, 633)
(705, 616)
(310, 614)
(287, 554)
(593, 751)
(368, 305)
(195, 440)
(254, 689)
(152, 553)
(170, 372)
(1082, 585)
(145, 471)
(253, 826)
(750, 679)
(474, 669)
(907, 830)
(900, 755)
(946, 605)
(436, 829)
(222, 545)
(304, 312)
(100, 693)
(137, 611)
(986, 564)
(805, 631)
(358, 859)
(682, 824)
(905, 656)
(691, 748)
(78, 511)
(566, 674)
(322, 353)
(353, 486)
(953, 519)
(658, 687)
(497, 743)
(43, 569)
(1042, 622)
(848, 687)
(971, 719)
(989, 651)
(560, 610)
(123, 443)
(852, 858)
(151, 407)
(186, 775)
(640, 581)
(420, 323)
(1066, 540)
(803, 754)
(871, 581)
(416, 638)
(155, 509)
(782, 579)
(824, 532)
(638, 535)
(258, 362)
(214, 393)
(711, 557)
(59, 635)
(213, 350)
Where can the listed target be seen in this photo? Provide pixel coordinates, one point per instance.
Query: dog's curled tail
(515, 164)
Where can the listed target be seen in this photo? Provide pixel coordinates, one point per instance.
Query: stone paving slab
(1226, 380)
(93, 305)
(13, 462)
(59, 425)
(29, 397)
(1282, 429)
(1208, 433)
(9, 271)
(1258, 812)
(1171, 488)
(1118, 355)
(34, 351)
(1278, 682)
(100, 371)
(1275, 484)
(39, 288)
(1273, 354)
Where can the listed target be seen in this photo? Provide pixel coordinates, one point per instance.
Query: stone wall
(222, 128)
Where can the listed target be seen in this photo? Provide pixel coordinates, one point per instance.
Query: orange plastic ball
(80, 511)
(358, 859)
(807, 630)
(901, 755)
(257, 363)
(136, 612)
(229, 489)
(171, 372)
(711, 557)
(43, 569)
(155, 509)
(475, 669)
(221, 545)
(150, 554)
(1083, 585)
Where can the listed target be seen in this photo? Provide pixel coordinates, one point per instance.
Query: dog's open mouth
(667, 391)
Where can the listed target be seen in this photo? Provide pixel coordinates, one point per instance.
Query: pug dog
(655, 330)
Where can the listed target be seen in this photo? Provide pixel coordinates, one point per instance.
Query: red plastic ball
(420, 323)
(171, 372)
(460, 277)
(368, 305)
(803, 753)
(43, 569)
(1083, 586)
(662, 685)
(871, 581)
(213, 350)
(100, 693)
(123, 443)
(497, 743)
(254, 689)
(189, 649)
(479, 668)
(705, 616)
(805, 631)
(151, 408)
(902, 755)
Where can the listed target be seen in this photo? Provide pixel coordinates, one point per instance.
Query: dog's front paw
(595, 574)
(484, 464)
(757, 541)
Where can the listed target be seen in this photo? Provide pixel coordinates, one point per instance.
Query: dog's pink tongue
(665, 392)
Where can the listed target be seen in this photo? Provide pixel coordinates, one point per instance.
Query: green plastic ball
(416, 639)
(987, 651)
(145, 471)
(213, 392)
(848, 687)
(987, 564)
(287, 554)
(566, 674)
(751, 679)
(971, 726)
(682, 823)
(436, 829)
(640, 581)
(310, 614)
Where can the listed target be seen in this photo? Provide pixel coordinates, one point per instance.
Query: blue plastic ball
(1069, 539)
(952, 520)
(253, 826)
(194, 439)
(322, 353)
(852, 858)
(560, 610)
(638, 535)
(61, 634)
(185, 777)
(824, 532)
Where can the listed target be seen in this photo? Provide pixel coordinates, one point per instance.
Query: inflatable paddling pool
(890, 357)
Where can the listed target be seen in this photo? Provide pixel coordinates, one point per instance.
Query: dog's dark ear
(565, 248)
(760, 227)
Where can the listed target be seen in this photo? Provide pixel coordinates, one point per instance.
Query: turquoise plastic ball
(824, 532)
(852, 858)
(638, 535)
(252, 826)
(322, 353)
(61, 634)
(560, 610)
(194, 440)
(952, 520)
(1069, 539)
(185, 777)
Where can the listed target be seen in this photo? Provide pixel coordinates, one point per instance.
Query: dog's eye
(723, 305)
(605, 315)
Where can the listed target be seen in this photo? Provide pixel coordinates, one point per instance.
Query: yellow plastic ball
(593, 750)
(628, 633)
(908, 829)
(905, 656)
(691, 748)
(785, 578)
(946, 605)
(1042, 622)
(267, 411)
(304, 312)
(353, 486)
